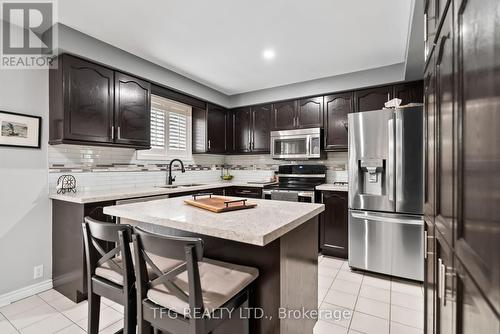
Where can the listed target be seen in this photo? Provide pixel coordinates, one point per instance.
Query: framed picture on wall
(20, 130)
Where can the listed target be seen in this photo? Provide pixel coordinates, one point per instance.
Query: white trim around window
(171, 134)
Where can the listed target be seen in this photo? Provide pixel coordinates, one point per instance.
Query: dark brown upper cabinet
(337, 107)
(261, 128)
(477, 229)
(132, 110)
(242, 130)
(297, 114)
(81, 101)
(333, 229)
(199, 128)
(429, 142)
(412, 92)
(310, 113)
(429, 26)
(94, 105)
(216, 129)
(284, 115)
(252, 128)
(445, 116)
(372, 98)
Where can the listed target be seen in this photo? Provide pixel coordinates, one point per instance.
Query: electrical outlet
(38, 272)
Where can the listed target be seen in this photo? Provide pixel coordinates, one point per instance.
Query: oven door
(293, 196)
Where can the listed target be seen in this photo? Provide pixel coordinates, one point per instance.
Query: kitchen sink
(173, 186)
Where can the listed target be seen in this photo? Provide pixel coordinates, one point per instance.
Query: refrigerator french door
(386, 192)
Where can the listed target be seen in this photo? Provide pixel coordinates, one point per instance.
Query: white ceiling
(219, 42)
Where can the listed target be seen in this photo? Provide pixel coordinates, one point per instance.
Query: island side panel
(266, 289)
(299, 276)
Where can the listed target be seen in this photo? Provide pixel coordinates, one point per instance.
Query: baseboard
(27, 291)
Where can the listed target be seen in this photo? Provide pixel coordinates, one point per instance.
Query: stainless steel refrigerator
(386, 192)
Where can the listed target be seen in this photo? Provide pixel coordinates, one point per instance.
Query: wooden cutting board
(219, 203)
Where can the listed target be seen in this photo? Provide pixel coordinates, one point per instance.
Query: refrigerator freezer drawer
(386, 243)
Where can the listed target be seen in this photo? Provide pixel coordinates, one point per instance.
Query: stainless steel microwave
(296, 144)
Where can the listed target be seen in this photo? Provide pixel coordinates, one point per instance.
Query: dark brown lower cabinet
(474, 313)
(430, 286)
(333, 229)
(445, 282)
(68, 260)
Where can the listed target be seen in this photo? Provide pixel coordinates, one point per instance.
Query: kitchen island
(279, 238)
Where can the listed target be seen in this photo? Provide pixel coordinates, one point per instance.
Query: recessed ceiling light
(268, 54)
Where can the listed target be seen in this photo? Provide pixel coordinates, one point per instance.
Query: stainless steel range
(297, 183)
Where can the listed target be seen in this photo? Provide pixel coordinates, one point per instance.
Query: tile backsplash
(101, 168)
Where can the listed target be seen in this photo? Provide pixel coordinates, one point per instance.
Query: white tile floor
(369, 303)
(373, 304)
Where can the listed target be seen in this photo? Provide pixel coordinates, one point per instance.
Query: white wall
(25, 209)
(350, 81)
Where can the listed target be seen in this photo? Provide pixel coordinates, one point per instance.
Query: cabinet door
(337, 107)
(430, 286)
(132, 110)
(429, 26)
(262, 117)
(445, 117)
(284, 114)
(310, 113)
(372, 98)
(429, 141)
(242, 130)
(474, 313)
(199, 127)
(445, 282)
(478, 229)
(216, 129)
(88, 100)
(230, 132)
(412, 92)
(334, 224)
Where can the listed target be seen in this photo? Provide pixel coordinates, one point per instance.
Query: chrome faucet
(170, 178)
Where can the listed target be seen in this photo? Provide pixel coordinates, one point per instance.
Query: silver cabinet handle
(441, 285)
(112, 132)
(118, 133)
(425, 244)
(209, 144)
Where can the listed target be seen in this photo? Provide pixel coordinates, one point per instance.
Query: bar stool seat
(220, 281)
(114, 274)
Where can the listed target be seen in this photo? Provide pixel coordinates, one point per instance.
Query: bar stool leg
(94, 304)
(130, 316)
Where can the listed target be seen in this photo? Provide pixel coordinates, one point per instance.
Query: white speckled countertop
(332, 187)
(268, 221)
(82, 197)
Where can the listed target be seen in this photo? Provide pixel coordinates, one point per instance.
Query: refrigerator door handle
(368, 216)
(399, 158)
(390, 163)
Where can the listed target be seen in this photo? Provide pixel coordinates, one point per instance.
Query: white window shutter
(170, 130)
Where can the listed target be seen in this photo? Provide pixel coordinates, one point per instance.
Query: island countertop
(257, 226)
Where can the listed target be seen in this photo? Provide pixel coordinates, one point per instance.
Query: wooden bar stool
(109, 274)
(190, 298)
